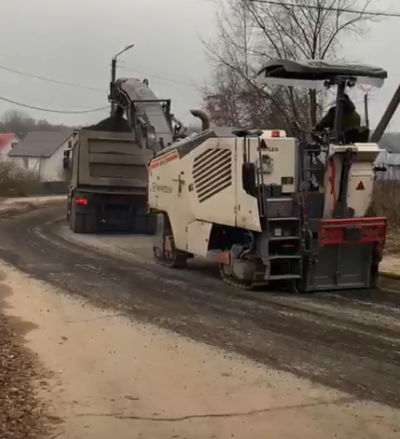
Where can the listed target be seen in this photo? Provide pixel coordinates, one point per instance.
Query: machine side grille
(212, 172)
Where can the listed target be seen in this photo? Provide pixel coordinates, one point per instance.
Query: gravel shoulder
(20, 410)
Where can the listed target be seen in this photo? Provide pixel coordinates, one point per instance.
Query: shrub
(17, 182)
(386, 201)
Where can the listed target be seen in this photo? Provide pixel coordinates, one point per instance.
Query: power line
(48, 110)
(163, 78)
(328, 8)
(56, 81)
(44, 78)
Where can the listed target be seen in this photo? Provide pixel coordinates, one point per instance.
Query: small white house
(390, 157)
(43, 152)
(7, 142)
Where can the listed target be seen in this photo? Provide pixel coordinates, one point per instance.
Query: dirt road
(327, 362)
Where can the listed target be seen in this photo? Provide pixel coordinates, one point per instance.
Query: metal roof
(40, 144)
(6, 137)
(287, 72)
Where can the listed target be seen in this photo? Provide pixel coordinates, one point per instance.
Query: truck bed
(110, 160)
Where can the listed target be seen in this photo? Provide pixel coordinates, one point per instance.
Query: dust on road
(110, 377)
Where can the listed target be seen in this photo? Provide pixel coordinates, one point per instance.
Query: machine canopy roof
(315, 73)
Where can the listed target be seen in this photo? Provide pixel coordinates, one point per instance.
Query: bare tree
(252, 32)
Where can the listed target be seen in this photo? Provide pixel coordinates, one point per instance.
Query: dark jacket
(350, 118)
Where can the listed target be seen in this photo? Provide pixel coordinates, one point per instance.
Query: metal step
(279, 257)
(284, 276)
(284, 238)
(272, 200)
(282, 218)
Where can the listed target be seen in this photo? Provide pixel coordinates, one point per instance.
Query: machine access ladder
(282, 222)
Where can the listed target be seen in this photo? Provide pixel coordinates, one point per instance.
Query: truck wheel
(374, 277)
(77, 221)
(68, 216)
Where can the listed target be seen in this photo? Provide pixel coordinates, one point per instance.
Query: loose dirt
(21, 414)
(107, 376)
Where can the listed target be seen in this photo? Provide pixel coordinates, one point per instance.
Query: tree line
(21, 123)
(250, 33)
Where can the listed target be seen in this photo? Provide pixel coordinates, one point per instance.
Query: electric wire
(49, 110)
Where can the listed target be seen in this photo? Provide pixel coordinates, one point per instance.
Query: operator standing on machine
(350, 117)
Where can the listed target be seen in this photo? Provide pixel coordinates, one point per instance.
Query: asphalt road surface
(348, 341)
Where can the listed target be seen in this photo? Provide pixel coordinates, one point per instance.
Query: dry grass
(17, 182)
(386, 202)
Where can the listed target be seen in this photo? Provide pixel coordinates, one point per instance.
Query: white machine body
(198, 181)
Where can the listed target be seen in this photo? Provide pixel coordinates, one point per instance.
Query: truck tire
(77, 221)
(90, 223)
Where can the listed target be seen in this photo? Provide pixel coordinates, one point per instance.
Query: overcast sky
(74, 40)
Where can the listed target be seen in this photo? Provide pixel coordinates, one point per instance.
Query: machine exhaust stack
(205, 121)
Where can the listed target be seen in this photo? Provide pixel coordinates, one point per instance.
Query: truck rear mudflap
(346, 254)
(116, 212)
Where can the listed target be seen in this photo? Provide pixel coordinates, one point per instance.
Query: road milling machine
(274, 208)
(108, 161)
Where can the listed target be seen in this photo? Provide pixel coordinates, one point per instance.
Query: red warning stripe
(165, 158)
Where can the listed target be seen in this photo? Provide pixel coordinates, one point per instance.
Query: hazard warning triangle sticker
(360, 186)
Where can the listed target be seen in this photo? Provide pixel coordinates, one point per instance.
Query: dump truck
(108, 161)
(273, 207)
(108, 185)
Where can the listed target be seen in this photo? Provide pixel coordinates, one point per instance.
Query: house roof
(40, 144)
(5, 138)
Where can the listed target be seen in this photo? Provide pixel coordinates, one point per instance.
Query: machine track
(349, 341)
(232, 280)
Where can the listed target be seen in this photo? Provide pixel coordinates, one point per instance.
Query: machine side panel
(331, 185)
(361, 182)
(247, 212)
(280, 162)
(168, 192)
(212, 181)
(198, 234)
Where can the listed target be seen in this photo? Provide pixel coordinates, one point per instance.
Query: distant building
(43, 153)
(390, 157)
(7, 142)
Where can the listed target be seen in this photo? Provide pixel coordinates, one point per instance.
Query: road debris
(20, 412)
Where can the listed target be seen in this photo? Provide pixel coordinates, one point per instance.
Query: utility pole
(113, 79)
(366, 110)
(114, 73)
